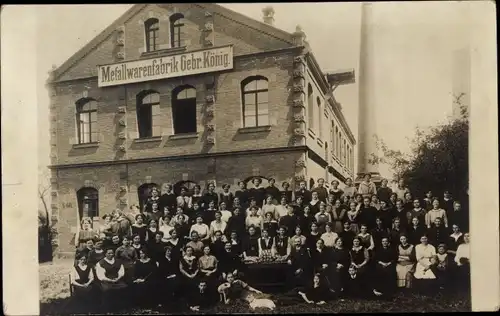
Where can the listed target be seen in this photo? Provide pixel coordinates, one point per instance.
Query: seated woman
(462, 259)
(195, 244)
(385, 268)
(270, 224)
(145, 279)
(251, 246)
(406, 263)
(188, 267)
(110, 273)
(298, 234)
(202, 298)
(82, 278)
(425, 255)
(267, 250)
(139, 228)
(359, 256)
(217, 224)
(329, 236)
(316, 293)
(234, 289)
(208, 266)
(282, 244)
(169, 275)
(356, 286)
(201, 228)
(443, 267)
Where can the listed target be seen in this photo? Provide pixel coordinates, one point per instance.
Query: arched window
(148, 108)
(176, 30)
(184, 110)
(152, 28)
(319, 117)
(310, 106)
(144, 192)
(88, 202)
(255, 92)
(86, 120)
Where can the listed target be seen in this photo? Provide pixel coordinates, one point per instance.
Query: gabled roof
(212, 7)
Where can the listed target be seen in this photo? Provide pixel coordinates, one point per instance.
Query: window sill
(148, 139)
(183, 136)
(86, 145)
(162, 52)
(254, 129)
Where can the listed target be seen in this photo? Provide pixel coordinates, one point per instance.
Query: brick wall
(227, 114)
(108, 180)
(226, 31)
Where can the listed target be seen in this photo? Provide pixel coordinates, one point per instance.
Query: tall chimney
(268, 15)
(367, 125)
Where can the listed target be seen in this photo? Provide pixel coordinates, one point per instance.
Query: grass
(55, 300)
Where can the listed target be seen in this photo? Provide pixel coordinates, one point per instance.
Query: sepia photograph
(255, 158)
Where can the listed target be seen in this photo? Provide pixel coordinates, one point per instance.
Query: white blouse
(463, 251)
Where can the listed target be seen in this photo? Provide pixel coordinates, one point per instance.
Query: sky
(413, 48)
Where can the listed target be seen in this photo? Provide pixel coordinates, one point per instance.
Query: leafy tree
(438, 159)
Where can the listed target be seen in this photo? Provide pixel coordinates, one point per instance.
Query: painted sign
(185, 64)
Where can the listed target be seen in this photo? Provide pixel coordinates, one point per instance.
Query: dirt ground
(55, 300)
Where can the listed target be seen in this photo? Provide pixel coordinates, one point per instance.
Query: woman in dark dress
(226, 196)
(415, 231)
(251, 246)
(236, 243)
(196, 197)
(169, 275)
(317, 293)
(385, 259)
(359, 256)
(313, 237)
(242, 194)
(82, 278)
(283, 248)
(156, 248)
(145, 279)
(286, 191)
(208, 265)
(139, 228)
(306, 220)
(385, 213)
(110, 272)
(188, 267)
(336, 191)
(340, 263)
(339, 215)
(379, 232)
(210, 196)
(347, 235)
(175, 243)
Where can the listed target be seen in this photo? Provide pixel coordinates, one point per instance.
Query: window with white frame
(86, 121)
(255, 97)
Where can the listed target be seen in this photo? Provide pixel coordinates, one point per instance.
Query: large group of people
(363, 241)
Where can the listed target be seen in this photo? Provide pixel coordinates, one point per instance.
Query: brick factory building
(184, 94)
